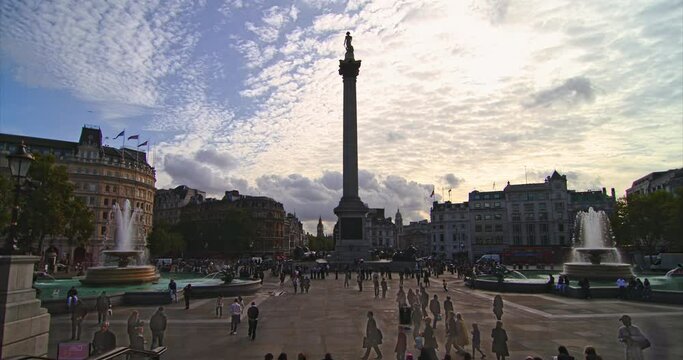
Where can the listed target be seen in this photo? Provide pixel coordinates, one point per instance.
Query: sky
(452, 95)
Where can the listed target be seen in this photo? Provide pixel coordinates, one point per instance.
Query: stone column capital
(349, 68)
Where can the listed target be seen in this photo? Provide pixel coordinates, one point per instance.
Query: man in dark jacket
(187, 293)
(77, 317)
(102, 306)
(252, 314)
(158, 326)
(104, 340)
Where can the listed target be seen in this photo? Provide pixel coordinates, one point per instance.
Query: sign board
(73, 351)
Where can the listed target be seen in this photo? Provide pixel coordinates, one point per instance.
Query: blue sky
(452, 94)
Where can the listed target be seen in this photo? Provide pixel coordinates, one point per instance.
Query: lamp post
(19, 163)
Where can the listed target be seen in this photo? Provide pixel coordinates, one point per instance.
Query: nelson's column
(351, 210)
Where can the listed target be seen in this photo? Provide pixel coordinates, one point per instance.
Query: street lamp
(19, 163)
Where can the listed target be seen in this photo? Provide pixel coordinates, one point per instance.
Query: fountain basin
(602, 271)
(129, 275)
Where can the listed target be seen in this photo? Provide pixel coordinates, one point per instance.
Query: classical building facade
(669, 180)
(168, 203)
(519, 218)
(268, 215)
(294, 234)
(417, 234)
(379, 230)
(103, 176)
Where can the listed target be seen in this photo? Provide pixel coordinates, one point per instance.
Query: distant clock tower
(321, 228)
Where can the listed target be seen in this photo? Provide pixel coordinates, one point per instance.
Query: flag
(432, 195)
(143, 144)
(122, 133)
(133, 137)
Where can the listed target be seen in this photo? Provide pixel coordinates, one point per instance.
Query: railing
(126, 353)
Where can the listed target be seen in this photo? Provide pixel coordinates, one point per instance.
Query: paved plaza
(332, 319)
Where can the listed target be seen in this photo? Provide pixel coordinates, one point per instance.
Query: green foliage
(80, 222)
(6, 198)
(320, 244)
(233, 233)
(44, 209)
(164, 240)
(651, 222)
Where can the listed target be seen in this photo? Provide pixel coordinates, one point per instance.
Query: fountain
(122, 273)
(596, 258)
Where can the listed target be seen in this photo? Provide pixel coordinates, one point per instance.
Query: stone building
(669, 180)
(268, 215)
(168, 203)
(102, 176)
(379, 230)
(417, 234)
(450, 230)
(294, 234)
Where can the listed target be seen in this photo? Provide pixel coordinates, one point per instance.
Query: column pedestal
(25, 325)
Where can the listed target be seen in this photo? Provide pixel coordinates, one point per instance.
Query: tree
(44, 209)
(6, 198)
(650, 222)
(233, 233)
(79, 222)
(163, 240)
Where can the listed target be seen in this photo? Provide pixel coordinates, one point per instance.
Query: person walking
(102, 305)
(133, 324)
(430, 343)
(187, 294)
(173, 290)
(498, 307)
(448, 310)
(375, 284)
(499, 346)
(384, 288)
(424, 299)
(401, 344)
(445, 285)
(476, 340)
(252, 315)
(417, 319)
(360, 283)
(435, 309)
(412, 298)
(461, 338)
(77, 316)
(451, 333)
(401, 297)
(219, 306)
(347, 278)
(235, 313)
(157, 323)
(373, 337)
(104, 340)
(633, 339)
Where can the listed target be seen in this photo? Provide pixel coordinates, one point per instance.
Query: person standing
(104, 340)
(187, 294)
(401, 344)
(137, 342)
(461, 340)
(373, 337)
(173, 290)
(375, 284)
(498, 307)
(384, 288)
(401, 297)
(424, 299)
(417, 318)
(102, 305)
(499, 346)
(445, 285)
(157, 323)
(435, 309)
(633, 339)
(451, 332)
(252, 314)
(360, 283)
(133, 324)
(219, 306)
(448, 310)
(347, 278)
(235, 313)
(77, 316)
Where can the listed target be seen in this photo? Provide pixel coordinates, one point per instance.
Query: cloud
(452, 181)
(572, 92)
(220, 159)
(195, 174)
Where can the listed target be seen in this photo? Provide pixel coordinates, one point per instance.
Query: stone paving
(332, 319)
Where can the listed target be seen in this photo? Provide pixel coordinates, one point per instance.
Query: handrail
(116, 352)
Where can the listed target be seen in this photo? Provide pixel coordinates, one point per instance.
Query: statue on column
(349, 48)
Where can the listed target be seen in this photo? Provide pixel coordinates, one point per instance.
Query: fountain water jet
(123, 273)
(596, 258)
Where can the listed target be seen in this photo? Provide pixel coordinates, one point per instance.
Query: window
(544, 228)
(104, 215)
(529, 216)
(454, 238)
(561, 239)
(441, 237)
(477, 228)
(496, 204)
(477, 205)
(107, 188)
(498, 216)
(559, 206)
(92, 187)
(477, 217)
(499, 227)
(545, 240)
(91, 200)
(487, 205)
(103, 230)
(488, 228)
(529, 207)
(517, 239)
(106, 202)
(560, 227)
(487, 217)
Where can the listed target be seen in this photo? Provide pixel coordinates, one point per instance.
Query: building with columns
(168, 203)
(380, 230)
(103, 176)
(450, 230)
